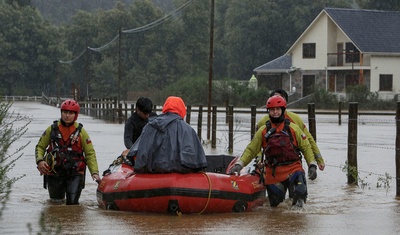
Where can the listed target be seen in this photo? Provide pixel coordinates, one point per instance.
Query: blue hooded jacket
(168, 144)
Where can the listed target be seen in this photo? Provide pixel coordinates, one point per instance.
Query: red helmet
(71, 105)
(276, 101)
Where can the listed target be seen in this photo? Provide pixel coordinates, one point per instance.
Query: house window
(352, 53)
(308, 50)
(385, 82)
(308, 84)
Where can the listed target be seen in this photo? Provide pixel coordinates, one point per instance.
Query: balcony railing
(346, 59)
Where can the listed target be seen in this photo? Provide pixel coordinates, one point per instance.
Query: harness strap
(54, 135)
(57, 157)
(76, 134)
(286, 129)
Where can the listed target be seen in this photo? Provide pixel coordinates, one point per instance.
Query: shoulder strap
(79, 128)
(76, 134)
(54, 131)
(268, 125)
(54, 135)
(269, 129)
(287, 129)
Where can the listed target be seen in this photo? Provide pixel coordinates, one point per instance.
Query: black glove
(312, 172)
(235, 169)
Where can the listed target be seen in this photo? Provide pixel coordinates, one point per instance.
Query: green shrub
(8, 135)
(324, 100)
(195, 91)
(368, 100)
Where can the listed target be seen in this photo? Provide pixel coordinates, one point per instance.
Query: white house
(340, 48)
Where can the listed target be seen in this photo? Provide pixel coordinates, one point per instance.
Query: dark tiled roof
(369, 30)
(280, 64)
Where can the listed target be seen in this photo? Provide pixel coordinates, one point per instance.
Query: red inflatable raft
(203, 192)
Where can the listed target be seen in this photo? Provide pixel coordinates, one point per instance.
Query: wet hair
(144, 104)
(282, 92)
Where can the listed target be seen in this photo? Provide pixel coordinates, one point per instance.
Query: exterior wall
(317, 34)
(270, 81)
(331, 40)
(320, 78)
(367, 78)
(286, 83)
(340, 38)
(296, 82)
(385, 65)
(326, 35)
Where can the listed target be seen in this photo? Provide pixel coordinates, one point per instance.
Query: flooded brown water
(333, 207)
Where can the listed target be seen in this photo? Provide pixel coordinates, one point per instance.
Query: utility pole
(352, 65)
(119, 65)
(210, 71)
(87, 71)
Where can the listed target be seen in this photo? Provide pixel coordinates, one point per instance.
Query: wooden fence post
(214, 127)
(98, 108)
(230, 115)
(188, 113)
(93, 108)
(132, 109)
(120, 113)
(108, 109)
(125, 111)
(352, 168)
(398, 150)
(199, 121)
(115, 108)
(227, 111)
(311, 121)
(340, 113)
(253, 121)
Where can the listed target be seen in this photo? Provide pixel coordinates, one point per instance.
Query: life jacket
(278, 147)
(65, 157)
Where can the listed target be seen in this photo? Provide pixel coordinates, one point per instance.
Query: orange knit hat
(176, 105)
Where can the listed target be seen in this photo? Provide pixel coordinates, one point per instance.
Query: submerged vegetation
(9, 134)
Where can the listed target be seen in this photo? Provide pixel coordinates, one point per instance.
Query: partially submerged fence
(22, 98)
(111, 111)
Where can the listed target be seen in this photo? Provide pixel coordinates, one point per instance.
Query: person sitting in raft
(168, 143)
(135, 123)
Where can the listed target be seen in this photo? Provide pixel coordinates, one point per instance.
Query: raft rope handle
(52, 162)
(209, 192)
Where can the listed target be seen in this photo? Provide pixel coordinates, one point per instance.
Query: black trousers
(296, 185)
(65, 186)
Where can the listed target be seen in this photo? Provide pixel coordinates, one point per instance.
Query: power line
(135, 30)
(102, 48)
(159, 21)
(72, 61)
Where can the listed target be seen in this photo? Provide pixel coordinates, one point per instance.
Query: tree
(8, 135)
(29, 51)
(254, 35)
(193, 90)
(388, 5)
(193, 53)
(152, 55)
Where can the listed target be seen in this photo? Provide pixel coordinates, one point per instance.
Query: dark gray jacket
(168, 144)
